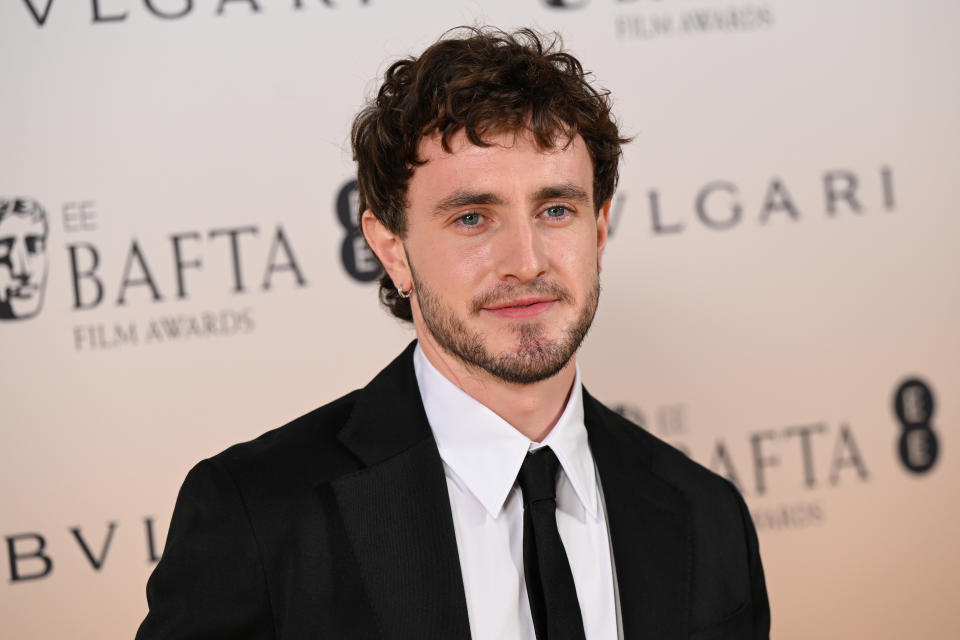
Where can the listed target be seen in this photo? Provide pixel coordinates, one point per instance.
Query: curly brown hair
(480, 80)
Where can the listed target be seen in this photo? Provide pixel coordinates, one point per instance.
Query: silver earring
(403, 294)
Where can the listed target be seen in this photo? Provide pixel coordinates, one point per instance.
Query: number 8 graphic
(914, 406)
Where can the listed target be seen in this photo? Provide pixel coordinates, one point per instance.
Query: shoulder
(316, 448)
(722, 542)
(707, 494)
(304, 452)
(233, 511)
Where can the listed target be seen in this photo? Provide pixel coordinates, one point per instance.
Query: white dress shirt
(482, 455)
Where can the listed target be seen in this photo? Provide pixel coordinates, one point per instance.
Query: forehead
(16, 224)
(512, 165)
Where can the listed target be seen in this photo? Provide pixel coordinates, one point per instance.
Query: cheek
(453, 268)
(36, 265)
(575, 259)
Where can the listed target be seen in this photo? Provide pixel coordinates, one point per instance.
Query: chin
(25, 308)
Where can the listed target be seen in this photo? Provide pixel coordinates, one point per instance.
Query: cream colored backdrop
(783, 259)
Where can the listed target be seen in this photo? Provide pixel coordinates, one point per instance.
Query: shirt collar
(486, 452)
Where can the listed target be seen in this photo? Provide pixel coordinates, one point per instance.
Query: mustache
(505, 292)
(20, 289)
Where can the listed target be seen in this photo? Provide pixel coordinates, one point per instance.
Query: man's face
(23, 265)
(503, 245)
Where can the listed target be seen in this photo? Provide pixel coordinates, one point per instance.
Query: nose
(523, 254)
(18, 259)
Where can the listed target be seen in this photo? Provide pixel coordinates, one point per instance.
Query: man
(23, 258)
(473, 488)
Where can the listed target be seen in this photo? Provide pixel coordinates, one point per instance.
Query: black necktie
(550, 588)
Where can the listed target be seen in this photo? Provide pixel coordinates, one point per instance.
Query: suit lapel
(396, 512)
(649, 529)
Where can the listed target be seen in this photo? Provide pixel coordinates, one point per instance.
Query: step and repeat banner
(180, 270)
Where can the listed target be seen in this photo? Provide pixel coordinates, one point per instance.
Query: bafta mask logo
(23, 258)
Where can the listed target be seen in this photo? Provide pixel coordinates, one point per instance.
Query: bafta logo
(23, 258)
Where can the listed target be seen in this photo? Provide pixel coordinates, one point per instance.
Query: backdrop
(179, 271)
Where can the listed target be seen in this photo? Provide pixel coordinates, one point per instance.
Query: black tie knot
(538, 476)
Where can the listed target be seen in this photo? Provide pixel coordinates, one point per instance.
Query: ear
(389, 249)
(603, 231)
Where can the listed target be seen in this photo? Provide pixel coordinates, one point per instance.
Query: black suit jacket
(338, 525)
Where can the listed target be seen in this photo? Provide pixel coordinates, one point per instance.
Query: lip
(25, 291)
(522, 307)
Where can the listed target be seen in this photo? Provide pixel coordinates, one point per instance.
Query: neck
(532, 409)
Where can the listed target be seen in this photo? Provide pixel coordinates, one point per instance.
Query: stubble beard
(535, 357)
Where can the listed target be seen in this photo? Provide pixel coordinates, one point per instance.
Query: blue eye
(470, 219)
(557, 211)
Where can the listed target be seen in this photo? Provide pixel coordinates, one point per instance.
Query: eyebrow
(463, 198)
(564, 191)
